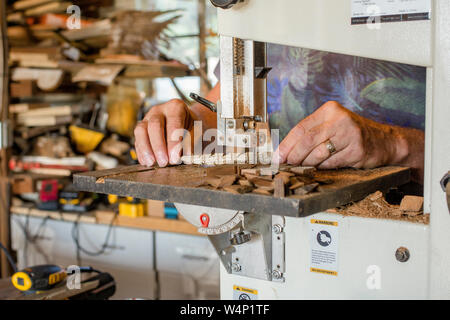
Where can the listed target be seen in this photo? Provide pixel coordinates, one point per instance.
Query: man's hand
(359, 142)
(157, 137)
(153, 135)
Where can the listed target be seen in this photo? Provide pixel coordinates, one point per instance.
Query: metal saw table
(185, 184)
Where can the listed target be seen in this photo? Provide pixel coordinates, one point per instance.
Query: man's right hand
(153, 134)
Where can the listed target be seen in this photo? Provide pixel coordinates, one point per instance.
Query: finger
(321, 152)
(296, 134)
(156, 132)
(309, 141)
(175, 123)
(142, 144)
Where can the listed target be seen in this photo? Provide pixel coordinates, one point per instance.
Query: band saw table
(186, 184)
(247, 230)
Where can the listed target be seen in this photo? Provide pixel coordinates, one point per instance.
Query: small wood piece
(411, 203)
(285, 176)
(295, 184)
(238, 189)
(253, 171)
(267, 171)
(221, 181)
(26, 88)
(279, 188)
(375, 196)
(305, 189)
(22, 183)
(46, 79)
(303, 170)
(245, 182)
(251, 177)
(263, 184)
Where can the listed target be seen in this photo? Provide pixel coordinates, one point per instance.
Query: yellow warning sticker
(241, 293)
(332, 273)
(324, 242)
(324, 222)
(238, 288)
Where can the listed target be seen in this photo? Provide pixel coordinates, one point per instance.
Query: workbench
(104, 217)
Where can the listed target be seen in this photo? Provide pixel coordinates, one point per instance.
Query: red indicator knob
(204, 220)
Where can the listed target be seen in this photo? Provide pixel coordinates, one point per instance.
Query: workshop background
(79, 79)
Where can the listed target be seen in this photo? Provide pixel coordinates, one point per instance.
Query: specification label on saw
(379, 11)
(324, 238)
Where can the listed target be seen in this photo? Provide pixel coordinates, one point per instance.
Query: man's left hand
(335, 137)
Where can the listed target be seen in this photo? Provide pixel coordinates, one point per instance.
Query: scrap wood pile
(144, 39)
(72, 106)
(54, 49)
(376, 206)
(282, 182)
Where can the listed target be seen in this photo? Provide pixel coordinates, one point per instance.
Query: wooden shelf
(105, 217)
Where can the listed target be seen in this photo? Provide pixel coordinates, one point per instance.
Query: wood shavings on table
(375, 206)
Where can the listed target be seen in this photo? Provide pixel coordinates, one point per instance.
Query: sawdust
(376, 206)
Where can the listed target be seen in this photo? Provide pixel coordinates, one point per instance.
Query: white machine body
(360, 261)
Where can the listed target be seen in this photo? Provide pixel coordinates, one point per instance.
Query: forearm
(409, 151)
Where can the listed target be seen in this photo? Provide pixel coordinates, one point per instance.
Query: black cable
(76, 239)
(32, 238)
(10, 259)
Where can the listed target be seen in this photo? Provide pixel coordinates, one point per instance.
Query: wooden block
(26, 88)
(285, 176)
(267, 171)
(245, 182)
(411, 203)
(305, 189)
(375, 196)
(22, 183)
(25, 4)
(221, 181)
(238, 189)
(251, 177)
(263, 184)
(279, 187)
(303, 170)
(155, 209)
(24, 107)
(46, 79)
(253, 171)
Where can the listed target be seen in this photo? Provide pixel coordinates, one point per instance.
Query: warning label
(241, 293)
(324, 240)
